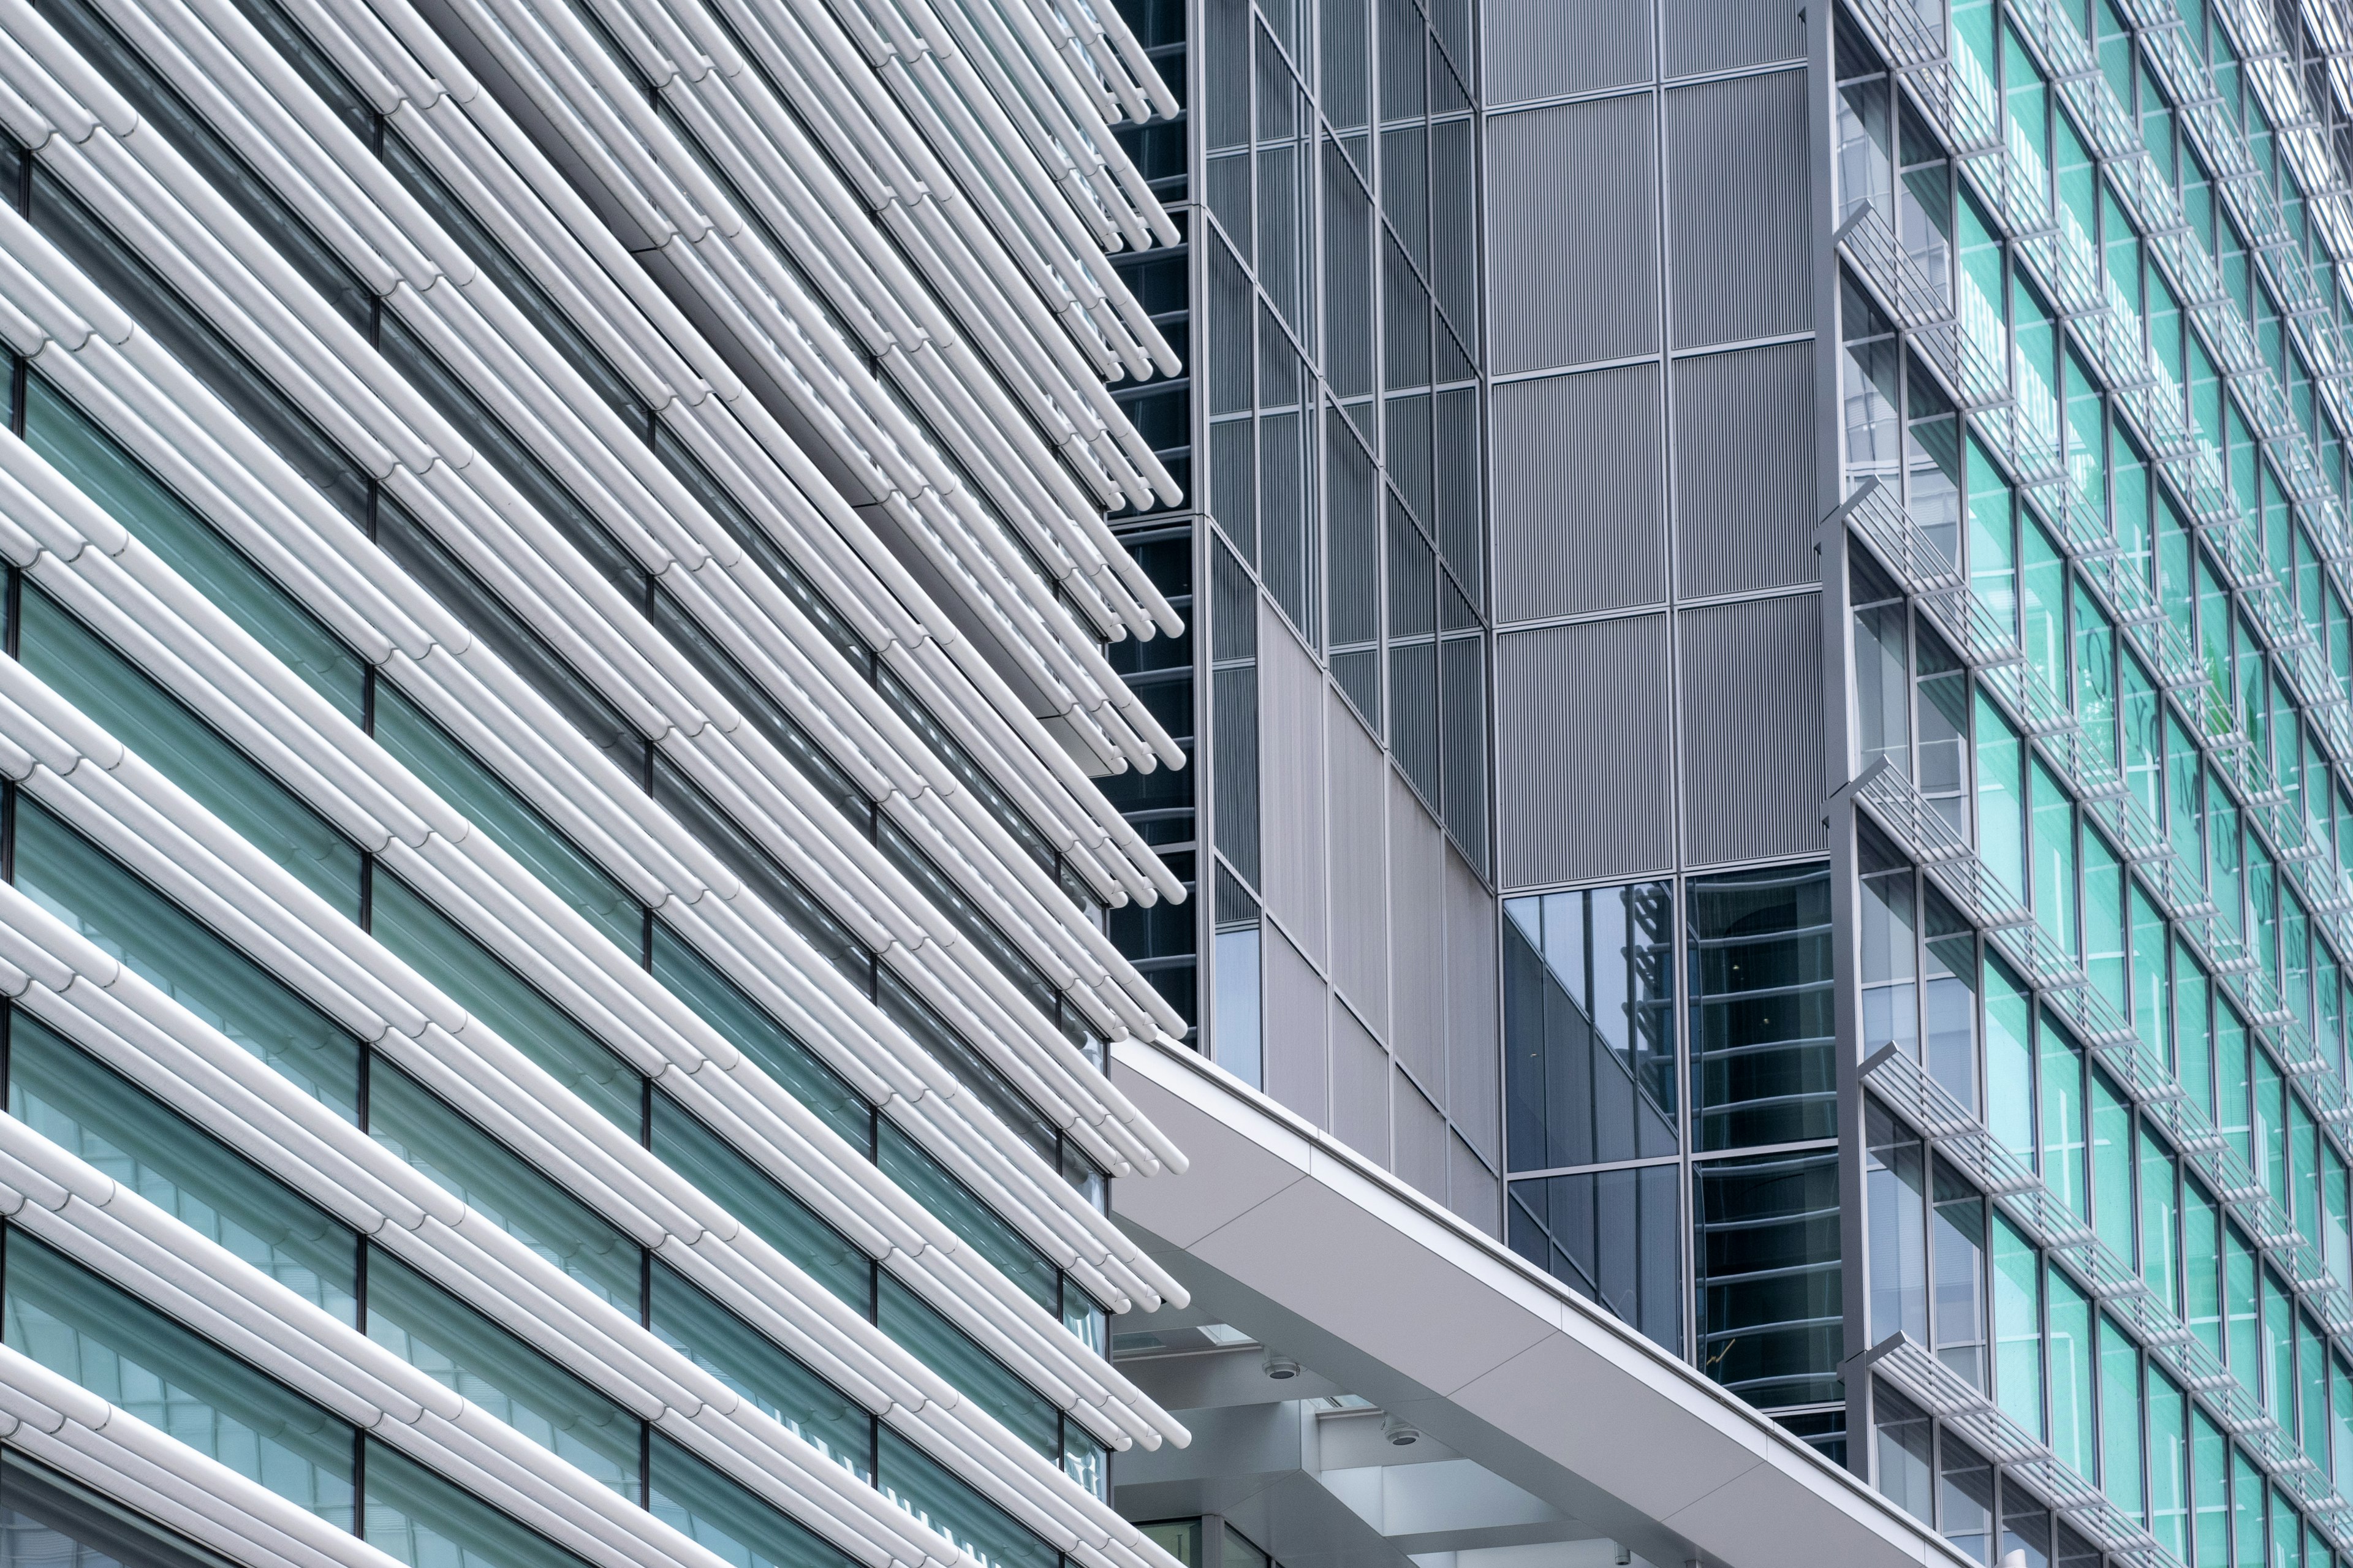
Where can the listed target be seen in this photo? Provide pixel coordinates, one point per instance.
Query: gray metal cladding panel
(1291, 794)
(1359, 844)
(1474, 1042)
(1420, 1132)
(1292, 1005)
(1580, 501)
(1572, 236)
(1416, 934)
(1736, 201)
(1583, 753)
(1552, 49)
(1744, 470)
(1753, 729)
(1722, 35)
(1473, 1190)
(1360, 1087)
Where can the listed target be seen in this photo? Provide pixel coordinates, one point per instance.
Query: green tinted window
(456, 776)
(720, 1515)
(108, 475)
(427, 1522)
(479, 982)
(462, 1350)
(773, 1215)
(93, 1334)
(87, 672)
(85, 1108)
(751, 1363)
(489, 1178)
(157, 939)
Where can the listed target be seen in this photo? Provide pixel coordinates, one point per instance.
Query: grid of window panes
(1627, 1132)
(2089, 310)
(1338, 354)
(86, 1328)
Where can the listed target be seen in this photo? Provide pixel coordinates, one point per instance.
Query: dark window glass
(1766, 1265)
(1762, 1052)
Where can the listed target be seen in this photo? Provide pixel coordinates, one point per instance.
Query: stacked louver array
(555, 582)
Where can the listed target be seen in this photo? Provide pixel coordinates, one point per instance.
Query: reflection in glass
(1588, 988)
(1613, 1235)
(1762, 1049)
(1766, 1265)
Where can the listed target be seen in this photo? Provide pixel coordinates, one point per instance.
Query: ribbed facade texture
(557, 589)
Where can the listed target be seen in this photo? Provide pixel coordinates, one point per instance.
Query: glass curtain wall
(2092, 297)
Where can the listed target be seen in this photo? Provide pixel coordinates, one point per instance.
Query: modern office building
(1269, 784)
(1877, 479)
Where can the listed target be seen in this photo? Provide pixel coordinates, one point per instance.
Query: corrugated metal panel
(1473, 1045)
(1416, 934)
(1720, 35)
(1360, 1087)
(1550, 49)
(1294, 999)
(1581, 515)
(1473, 1190)
(1582, 751)
(1294, 804)
(1572, 237)
(1361, 892)
(1421, 1137)
(1753, 729)
(1737, 203)
(1744, 470)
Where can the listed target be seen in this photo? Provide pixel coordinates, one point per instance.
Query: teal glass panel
(2304, 1171)
(2247, 1511)
(2018, 1327)
(94, 1334)
(2121, 1420)
(164, 945)
(2095, 674)
(2242, 1315)
(2160, 1221)
(2176, 590)
(751, 1363)
(87, 671)
(2226, 873)
(2336, 1238)
(2312, 1396)
(2201, 1257)
(2113, 1161)
(2043, 620)
(2185, 810)
(108, 475)
(719, 1514)
(2009, 1060)
(424, 1522)
(84, 1107)
(2054, 861)
(1993, 538)
(2001, 797)
(2235, 1112)
(923, 1179)
(2194, 1030)
(954, 1511)
(2074, 1372)
(2168, 1465)
(2105, 950)
(2065, 1130)
(2215, 649)
(2087, 453)
(2340, 1421)
(2142, 726)
(2270, 1126)
(2151, 991)
(459, 778)
(772, 1213)
(477, 981)
(2210, 1491)
(491, 1179)
(2279, 1353)
(747, 1027)
(463, 1351)
(970, 1369)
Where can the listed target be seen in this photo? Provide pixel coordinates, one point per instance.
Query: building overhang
(1283, 1232)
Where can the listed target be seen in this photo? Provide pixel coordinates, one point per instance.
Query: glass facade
(2092, 304)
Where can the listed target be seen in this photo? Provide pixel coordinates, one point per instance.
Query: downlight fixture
(1281, 1367)
(1400, 1433)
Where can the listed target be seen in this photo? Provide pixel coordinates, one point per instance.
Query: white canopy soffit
(1280, 1231)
